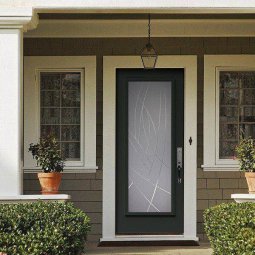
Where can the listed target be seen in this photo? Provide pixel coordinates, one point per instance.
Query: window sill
(67, 170)
(221, 168)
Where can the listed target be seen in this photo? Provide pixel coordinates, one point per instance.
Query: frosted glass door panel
(149, 146)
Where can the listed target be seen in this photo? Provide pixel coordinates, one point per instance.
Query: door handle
(179, 164)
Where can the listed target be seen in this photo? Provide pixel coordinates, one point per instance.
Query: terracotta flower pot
(49, 182)
(250, 178)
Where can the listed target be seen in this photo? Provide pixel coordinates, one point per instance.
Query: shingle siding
(86, 189)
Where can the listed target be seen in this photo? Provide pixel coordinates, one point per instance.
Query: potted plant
(48, 156)
(245, 152)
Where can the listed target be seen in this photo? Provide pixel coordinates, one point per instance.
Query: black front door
(149, 151)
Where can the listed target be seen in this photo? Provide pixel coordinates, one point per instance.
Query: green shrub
(42, 228)
(231, 228)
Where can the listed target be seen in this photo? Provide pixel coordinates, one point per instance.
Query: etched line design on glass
(60, 110)
(149, 146)
(237, 109)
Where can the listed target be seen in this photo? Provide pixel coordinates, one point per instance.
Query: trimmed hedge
(231, 228)
(42, 228)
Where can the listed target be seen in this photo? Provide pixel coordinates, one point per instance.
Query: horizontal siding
(86, 189)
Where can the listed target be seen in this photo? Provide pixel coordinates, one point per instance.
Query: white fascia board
(180, 6)
(132, 3)
(11, 11)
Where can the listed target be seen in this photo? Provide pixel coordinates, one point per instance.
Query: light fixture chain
(149, 55)
(149, 29)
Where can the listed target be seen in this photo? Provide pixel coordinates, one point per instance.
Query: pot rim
(48, 174)
(249, 173)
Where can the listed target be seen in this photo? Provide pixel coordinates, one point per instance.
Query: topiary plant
(47, 154)
(42, 228)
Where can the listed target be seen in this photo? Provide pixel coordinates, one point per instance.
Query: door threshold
(148, 240)
(148, 243)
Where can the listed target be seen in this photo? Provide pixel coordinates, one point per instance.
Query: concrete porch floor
(203, 249)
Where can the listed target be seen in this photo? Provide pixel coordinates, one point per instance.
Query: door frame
(110, 64)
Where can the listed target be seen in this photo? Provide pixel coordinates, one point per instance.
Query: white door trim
(111, 63)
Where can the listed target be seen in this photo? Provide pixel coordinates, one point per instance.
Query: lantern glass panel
(149, 57)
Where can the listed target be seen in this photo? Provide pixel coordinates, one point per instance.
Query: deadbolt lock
(179, 164)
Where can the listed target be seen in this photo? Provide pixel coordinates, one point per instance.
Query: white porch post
(11, 86)
(11, 103)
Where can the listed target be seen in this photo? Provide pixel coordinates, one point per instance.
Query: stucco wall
(86, 189)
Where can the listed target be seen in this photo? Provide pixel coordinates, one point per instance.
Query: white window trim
(212, 65)
(110, 64)
(32, 68)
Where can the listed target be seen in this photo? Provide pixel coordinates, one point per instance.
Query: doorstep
(33, 198)
(203, 249)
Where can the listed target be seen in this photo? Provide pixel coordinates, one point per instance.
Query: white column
(11, 110)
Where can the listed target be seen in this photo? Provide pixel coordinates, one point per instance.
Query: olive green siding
(86, 189)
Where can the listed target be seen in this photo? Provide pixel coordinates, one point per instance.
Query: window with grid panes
(60, 110)
(237, 109)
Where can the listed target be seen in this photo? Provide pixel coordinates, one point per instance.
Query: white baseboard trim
(149, 238)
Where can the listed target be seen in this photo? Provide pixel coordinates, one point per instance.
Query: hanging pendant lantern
(149, 55)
